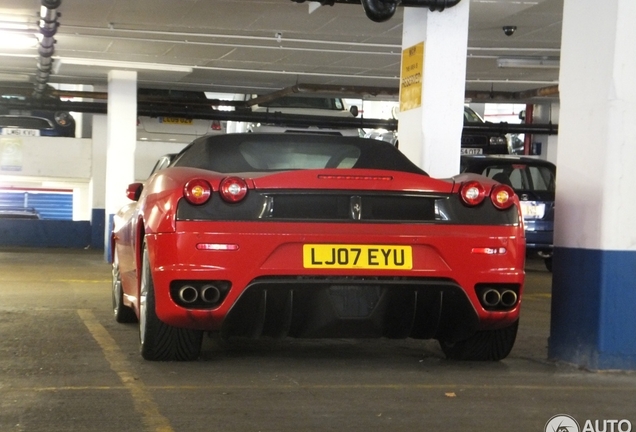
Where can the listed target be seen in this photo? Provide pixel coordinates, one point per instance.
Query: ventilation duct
(48, 27)
(382, 10)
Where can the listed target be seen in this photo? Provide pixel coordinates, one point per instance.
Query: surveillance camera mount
(509, 29)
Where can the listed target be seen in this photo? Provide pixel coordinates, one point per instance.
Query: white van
(173, 128)
(309, 106)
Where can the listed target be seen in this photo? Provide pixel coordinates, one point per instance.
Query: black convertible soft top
(256, 152)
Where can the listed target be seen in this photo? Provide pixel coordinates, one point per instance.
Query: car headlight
(498, 140)
(63, 118)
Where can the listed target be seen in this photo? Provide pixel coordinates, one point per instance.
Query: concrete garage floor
(67, 366)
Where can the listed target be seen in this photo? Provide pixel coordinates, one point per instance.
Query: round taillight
(233, 189)
(472, 193)
(197, 191)
(502, 196)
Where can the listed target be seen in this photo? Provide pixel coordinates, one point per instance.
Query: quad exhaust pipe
(207, 294)
(210, 294)
(492, 298)
(188, 294)
(508, 298)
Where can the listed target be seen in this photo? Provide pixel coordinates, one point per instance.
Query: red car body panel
(437, 252)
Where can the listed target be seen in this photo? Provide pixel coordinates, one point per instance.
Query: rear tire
(158, 340)
(486, 345)
(121, 312)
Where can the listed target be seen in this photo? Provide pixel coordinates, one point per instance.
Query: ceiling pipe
(340, 91)
(48, 27)
(379, 10)
(382, 10)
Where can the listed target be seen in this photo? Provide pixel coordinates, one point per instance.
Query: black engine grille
(355, 207)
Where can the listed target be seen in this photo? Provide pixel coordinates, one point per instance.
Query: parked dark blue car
(533, 180)
(31, 122)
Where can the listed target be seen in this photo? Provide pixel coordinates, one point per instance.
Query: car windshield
(305, 102)
(523, 177)
(278, 152)
(471, 117)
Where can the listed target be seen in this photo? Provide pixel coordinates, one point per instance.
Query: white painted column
(430, 130)
(594, 281)
(544, 114)
(97, 184)
(121, 138)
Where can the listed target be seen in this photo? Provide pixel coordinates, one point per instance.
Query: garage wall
(53, 158)
(64, 163)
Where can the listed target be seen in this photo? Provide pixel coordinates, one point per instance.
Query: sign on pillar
(411, 82)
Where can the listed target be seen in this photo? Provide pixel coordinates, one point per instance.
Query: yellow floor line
(267, 387)
(537, 296)
(82, 280)
(144, 403)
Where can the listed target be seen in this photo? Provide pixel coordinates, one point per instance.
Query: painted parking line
(21, 280)
(537, 296)
(143, 401)
(345, 387)
(82, 280)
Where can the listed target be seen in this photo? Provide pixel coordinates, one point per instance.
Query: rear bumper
(539, 234)
(270, 292)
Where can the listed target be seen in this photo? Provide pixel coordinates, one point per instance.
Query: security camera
(509, 30)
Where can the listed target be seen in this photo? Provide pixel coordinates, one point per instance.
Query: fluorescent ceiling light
(13, 25)
(528, 62)
(117, 64)
(13, 40)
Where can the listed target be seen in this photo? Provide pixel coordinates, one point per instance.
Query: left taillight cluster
(473, 193)
(199, 191)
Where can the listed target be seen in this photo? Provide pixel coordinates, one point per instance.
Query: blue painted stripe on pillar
(594, 308)
(97, 228)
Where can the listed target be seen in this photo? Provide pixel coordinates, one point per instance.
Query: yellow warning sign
(411, 78)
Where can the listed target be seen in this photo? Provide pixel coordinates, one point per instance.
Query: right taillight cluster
(199, 191)
(473, 193)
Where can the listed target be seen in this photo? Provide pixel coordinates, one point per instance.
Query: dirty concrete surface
(66, 365)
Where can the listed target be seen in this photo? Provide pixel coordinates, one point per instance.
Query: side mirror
(522, 115)
(354, 110)
(133, 191)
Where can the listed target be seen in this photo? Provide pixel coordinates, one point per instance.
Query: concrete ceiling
(259, 46)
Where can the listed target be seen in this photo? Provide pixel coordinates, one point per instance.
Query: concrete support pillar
(543, 114)
(121, 138)
(432, 87)
(97, 184)
(594, 282)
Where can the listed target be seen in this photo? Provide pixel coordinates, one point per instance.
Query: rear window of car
(25, 122)
(279, 152)
(523, 177)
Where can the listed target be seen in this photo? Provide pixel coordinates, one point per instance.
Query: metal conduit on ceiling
(48, 25)
(383, 10)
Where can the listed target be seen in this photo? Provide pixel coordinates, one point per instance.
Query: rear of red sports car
(303, 236)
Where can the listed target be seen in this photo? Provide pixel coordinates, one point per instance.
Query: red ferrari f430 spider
(311, 236)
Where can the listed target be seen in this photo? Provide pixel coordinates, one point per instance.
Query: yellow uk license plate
(176, 120)
(380, 257)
